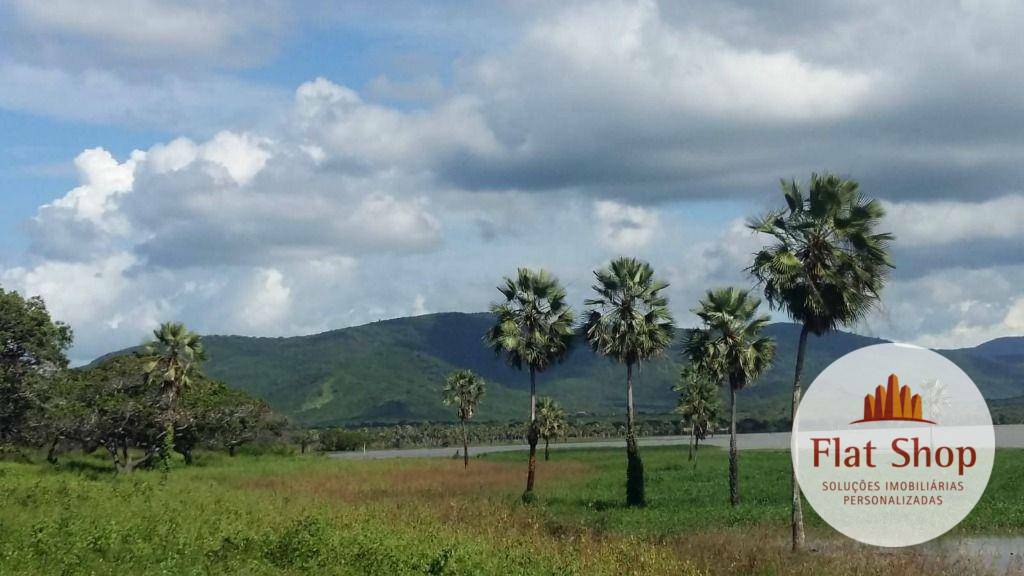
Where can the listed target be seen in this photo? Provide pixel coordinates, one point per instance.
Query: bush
(341, 440)
(305, 544)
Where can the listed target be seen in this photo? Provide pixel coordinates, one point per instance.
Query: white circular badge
(893, 445)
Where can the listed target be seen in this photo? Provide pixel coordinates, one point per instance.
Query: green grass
(292, 515)
(682, 497)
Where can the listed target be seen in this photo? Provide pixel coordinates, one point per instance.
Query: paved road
(1006, 437)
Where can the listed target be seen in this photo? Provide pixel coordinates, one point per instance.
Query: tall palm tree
(173, 360)
(826, 266)
(730, 348)
(629, 321)
(533, 328)
(464, 390)
(551, 422)
(699, 404)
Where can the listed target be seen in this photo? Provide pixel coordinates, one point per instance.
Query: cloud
(1014, 319)
(564, 133)
(80, 224)
(624, 228)
(152, 30)
(688, 69)
(102, 96)
(268, 302)
(419, 305)
(951, 307)
(948, 222)
(939, 234)
(419, 89)
(352, 133)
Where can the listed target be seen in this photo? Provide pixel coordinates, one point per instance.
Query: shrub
(341, 440)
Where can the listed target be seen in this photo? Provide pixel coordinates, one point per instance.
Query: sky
(266, 168)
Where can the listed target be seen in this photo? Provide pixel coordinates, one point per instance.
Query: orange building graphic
(894, 402)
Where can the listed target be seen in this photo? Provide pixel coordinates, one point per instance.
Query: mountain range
(392, 371)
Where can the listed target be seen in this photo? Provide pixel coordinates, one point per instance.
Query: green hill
(391, 371)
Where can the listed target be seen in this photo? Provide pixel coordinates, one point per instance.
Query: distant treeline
(445, 434)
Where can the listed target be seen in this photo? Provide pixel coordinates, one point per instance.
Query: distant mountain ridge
(391, 371)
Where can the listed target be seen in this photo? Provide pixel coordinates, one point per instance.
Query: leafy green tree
(533, 328)
(342, 440)
(32, 350)
(307, 437)
(218, 416)
(629, 322)
(825, 267)
(699, 405)
(173, 361)
(112, 405)
(730, 348)
(551, 422)
(464, 390)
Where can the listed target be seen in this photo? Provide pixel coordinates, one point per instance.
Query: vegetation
(730, 349)
(115, 406)
(630, 322)
(533, 328)
(464, 390)
(172, 361)
(699, 405)
(445, 434)
(32, 348)
(551, 422)
(262, 515)
(136, 407)
(826, 267)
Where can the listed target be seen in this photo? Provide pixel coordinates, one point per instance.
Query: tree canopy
(33, 348)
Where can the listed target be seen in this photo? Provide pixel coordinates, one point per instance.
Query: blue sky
(279, 169)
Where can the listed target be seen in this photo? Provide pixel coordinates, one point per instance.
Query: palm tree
(551, 422)
(173, 359)
(699, 405)
(534, 328)
(825, 268)
(629, 322)
(464, 390)
(729, 347)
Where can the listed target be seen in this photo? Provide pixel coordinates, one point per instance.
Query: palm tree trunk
(547, 441)
(696, 450)
(693, 434)
(634, 465)
(734, 457)
(532, 435)
(797, 516)
(465, 446)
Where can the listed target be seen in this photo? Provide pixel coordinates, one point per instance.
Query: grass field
(295, 515)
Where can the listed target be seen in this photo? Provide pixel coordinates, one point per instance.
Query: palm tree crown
(464, 390)
(699, 402)
(828, 264)
(550, 418)
(729, 345)
(173, 358)
(629, 320)
(534, 325)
